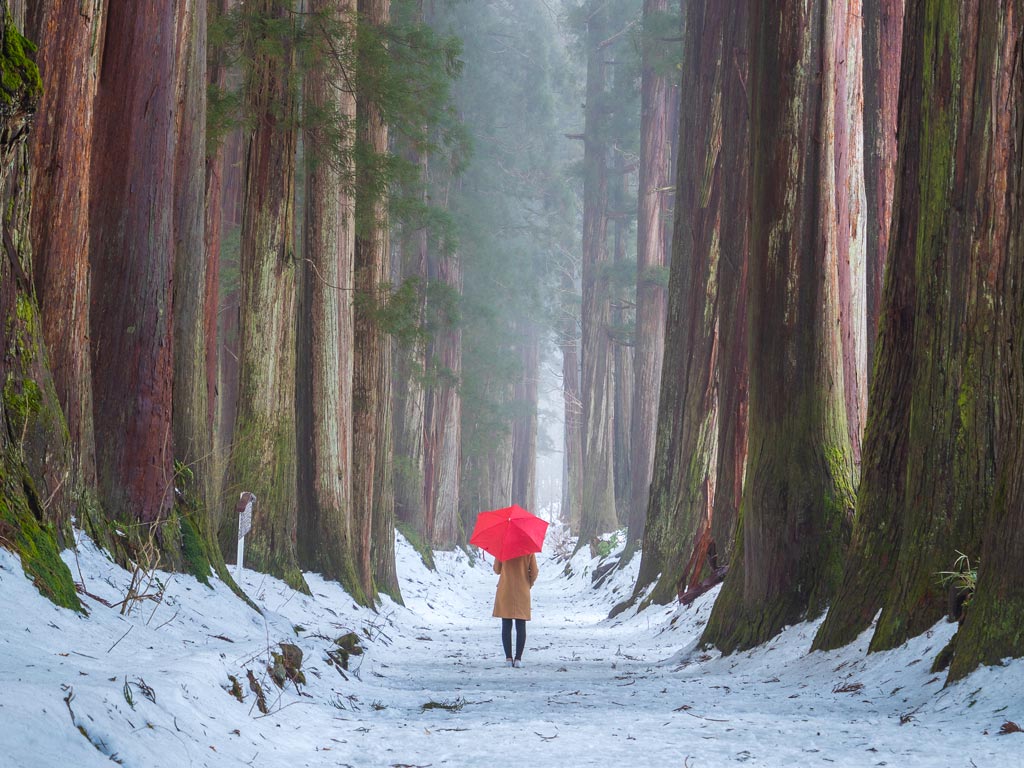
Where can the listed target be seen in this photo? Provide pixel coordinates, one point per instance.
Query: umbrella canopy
(509, 532)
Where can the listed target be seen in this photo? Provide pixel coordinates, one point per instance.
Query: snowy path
(594, 692)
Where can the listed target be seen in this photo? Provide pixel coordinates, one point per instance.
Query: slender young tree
(798, 495)
(569, 340)
(263, 451)
(325, 323)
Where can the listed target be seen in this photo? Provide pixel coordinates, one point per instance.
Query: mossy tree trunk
(622, 341)
(653, 209)
(732, 284)
(934, 446)
(70, 44)
(598, 510)
(992, 630)
(131, 253)
(798, 496)
(682, 486)
(882, 38)
(263, 452)
(325, 337)
(35, 447)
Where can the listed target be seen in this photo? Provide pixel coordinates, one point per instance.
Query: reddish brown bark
(798, 494)
(69, 46)
(882, 37)
(682, 485)
(131, 253)
(732, 285)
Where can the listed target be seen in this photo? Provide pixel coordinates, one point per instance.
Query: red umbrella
(508, 532)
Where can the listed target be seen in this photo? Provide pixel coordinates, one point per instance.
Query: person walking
(516, 578)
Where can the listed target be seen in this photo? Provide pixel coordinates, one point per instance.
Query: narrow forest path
(152, 688)
(597, 692)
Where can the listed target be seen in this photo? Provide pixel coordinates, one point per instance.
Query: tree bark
(325, 322)
(524, 428)
(598, 511)
(732, 284)
(263, 453)
(652, 213)
(683, 483)
(569, 340)
(799, 493)
(443, 418)
(991, 630)
(848, 159)
(68, 55)
(882, 36)
(132, 256)
(35, 450)
(370, 384)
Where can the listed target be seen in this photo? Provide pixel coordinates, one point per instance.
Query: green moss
(413, 537)
(22, 533)
(19, 76)
(192, 549)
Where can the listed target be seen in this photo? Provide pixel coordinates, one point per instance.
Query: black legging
(506, 637)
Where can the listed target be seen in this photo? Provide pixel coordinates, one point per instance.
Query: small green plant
(963, 577)
(605, 547)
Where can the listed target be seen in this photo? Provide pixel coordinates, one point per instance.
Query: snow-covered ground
(152, 688)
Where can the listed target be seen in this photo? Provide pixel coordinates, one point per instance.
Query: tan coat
(516, 578)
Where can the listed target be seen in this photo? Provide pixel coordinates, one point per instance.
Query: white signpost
(246, 501)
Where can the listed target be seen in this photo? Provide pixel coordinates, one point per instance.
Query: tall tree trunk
(883, 37)
(991, 630)
(35, 452)
(132, 259)
(410, 392)
(524, 427)
(213, 227)
(732, 284)
(598, 512)
(682, 487)
(443, 419)
(382, 544)
(652, 213)
(325, 339)
(799, 491)
(932, 429)
(370, 384)
(569, 340)
(193, 303)
(850, 205)
(622, 348)
(263, 453)
(69, 52)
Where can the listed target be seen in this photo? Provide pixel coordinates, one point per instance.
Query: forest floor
(430, 689)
